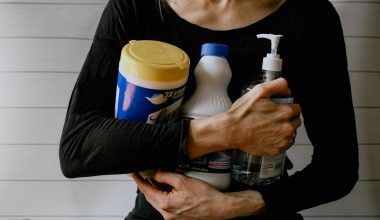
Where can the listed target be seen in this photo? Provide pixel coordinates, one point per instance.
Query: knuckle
(164, 204)
(179, 180)
(288, 130)
(275, 151)
(283, 81)
(287, 112)
(284, 145)
(168, 217)
(298, 108)
(260, 89)
(299, 122)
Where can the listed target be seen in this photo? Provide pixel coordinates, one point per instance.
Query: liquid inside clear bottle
(259, 170)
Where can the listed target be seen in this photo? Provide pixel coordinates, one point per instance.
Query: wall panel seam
(362, 36)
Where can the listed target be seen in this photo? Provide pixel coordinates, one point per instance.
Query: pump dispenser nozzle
(272, 61)
(275, 40)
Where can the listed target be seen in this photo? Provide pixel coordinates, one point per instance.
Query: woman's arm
(191, 199)
(92, 141)
(254, 124)
(322, 87)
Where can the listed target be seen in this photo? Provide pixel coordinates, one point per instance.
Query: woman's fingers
(169, 178)
(277, 87)
(146, 187)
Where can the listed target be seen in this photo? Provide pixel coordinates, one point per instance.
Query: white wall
(43, 44)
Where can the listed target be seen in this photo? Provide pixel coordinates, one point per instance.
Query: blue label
(289, 100)
(146, 105)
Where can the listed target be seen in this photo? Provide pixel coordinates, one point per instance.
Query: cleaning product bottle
(212, 75)
(151, 83)
(259, 170)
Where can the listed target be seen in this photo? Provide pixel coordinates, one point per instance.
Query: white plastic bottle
(258, 170)
(212, 75)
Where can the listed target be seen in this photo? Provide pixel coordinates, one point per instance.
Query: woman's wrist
(207, 135)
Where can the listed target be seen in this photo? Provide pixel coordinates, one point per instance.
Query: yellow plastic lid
(154, 61)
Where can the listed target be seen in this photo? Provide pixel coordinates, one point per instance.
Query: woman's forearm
(254, 124)
(206, 135)
(245, 203)
(194, 199)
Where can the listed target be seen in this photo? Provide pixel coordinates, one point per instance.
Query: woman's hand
(194, 199)
(254, 124)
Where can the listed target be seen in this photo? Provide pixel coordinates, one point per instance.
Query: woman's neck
(224, 14)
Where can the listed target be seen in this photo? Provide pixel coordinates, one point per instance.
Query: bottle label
(146, 105)
(272, 166)
(281, 100)
(217, 162)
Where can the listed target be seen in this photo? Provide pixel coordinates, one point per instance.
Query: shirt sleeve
(93, 142)
(325, 97)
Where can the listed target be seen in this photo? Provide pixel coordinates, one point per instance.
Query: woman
(315, 69)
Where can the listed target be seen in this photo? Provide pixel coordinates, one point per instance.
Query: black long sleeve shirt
(315, 66)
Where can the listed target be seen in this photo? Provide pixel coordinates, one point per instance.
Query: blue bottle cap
(213, 49)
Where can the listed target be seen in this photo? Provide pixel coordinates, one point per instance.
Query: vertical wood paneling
(38, 163)
(365, 89)
(369, 157)
(359, 19)
(31, 126)
(66, 198)
(364, 200)
(363, 53)
(26, 89)
(367, 122)
(49, 20)
(41, 54)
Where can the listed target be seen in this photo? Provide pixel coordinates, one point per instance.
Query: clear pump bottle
(212, 75)
(260, 170)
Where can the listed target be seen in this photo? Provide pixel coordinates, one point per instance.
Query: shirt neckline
(253, 25)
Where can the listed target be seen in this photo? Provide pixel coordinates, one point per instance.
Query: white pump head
(272, 61)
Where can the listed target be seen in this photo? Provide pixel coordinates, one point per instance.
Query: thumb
(276, 87)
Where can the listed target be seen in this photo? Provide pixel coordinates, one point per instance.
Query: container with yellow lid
(151, 81)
